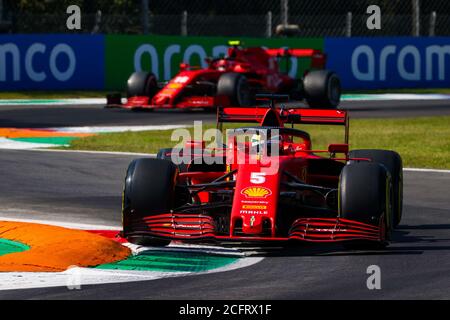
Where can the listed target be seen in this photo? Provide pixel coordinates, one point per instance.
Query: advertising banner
(163, 54)
(385, 62)
(51, 62)
(96, 62)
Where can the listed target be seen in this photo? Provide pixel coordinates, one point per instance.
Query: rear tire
(322, 89)
(149, 189)
(393, 163)
(235, 87)
(142, 84)
(364, 196)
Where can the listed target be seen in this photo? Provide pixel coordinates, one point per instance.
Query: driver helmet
(274, 143)
(222, 65)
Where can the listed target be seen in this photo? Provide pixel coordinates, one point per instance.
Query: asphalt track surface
(81, 187)
(29, 116)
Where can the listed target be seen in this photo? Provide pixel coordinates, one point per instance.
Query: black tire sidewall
(235, 87)
(364, 195)
(322, 89)
(392, 161)
(142, 83)
(149, 186)
(149, 189)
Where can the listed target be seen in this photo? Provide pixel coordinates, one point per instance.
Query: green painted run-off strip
(170, 261)
(47, 140)
(9, 246)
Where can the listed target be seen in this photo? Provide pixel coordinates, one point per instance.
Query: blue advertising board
(52, 62)
(390, 62)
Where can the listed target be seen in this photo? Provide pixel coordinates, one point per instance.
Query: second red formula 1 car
(234, 80)
(266, 184)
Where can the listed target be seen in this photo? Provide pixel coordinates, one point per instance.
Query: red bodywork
(249, 201)
(195, 87)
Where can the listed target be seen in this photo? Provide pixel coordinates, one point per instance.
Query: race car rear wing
(318, 58)
(275, 116)
(293, 115)
(300, 53)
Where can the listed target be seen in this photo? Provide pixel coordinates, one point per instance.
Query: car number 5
(258, 177)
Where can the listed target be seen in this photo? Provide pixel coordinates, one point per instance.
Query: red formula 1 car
(271, 186)
(234, 80)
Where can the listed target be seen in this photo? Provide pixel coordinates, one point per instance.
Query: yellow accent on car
(256, 192)
(174, 85)
(234, 42)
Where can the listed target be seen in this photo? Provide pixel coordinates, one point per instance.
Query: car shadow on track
(420, 238)
(405, 240)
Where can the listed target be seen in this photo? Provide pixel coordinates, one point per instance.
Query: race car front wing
(180, 226)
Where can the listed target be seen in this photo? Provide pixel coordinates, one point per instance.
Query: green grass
(143, 141)
(422, 142)
(52, 94)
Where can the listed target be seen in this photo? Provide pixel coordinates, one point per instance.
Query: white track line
(394, 96)
(119, 153)
(426, 170)
(22, 145)
(76, 276)
(52, 102)
(115, 129)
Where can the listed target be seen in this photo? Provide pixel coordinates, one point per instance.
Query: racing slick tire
(165, 154)
(364, 193)
(149, 189)
(393, 163)
(322, 89)
(235, 87)
(142, 84)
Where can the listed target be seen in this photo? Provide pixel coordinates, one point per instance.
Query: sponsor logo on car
(257, 207)
(261, 202)
(254, 212)
(174, 85)
(256, 192)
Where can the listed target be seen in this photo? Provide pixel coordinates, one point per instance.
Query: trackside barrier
(52, 62)
(99, 62)
(390, 62)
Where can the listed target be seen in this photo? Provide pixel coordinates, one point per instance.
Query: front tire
(149, 189)
(364, 195)
(142, 84)
(392, 161)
